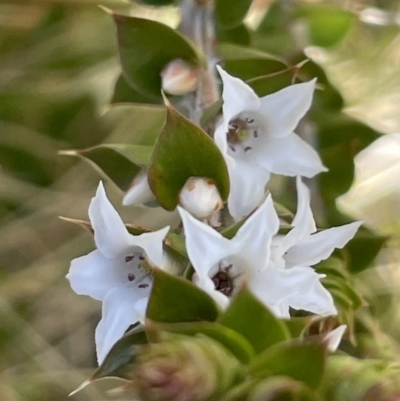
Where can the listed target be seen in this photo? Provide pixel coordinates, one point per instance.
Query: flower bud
(200, 197)
(179, 77)
(139, 192)
(184, 369)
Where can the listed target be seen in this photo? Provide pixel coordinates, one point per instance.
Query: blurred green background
(58, 64)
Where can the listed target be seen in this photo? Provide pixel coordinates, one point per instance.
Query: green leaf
(229, 338)
(182, 151)
(211, 112)
(230, 13)
(327, 25)
(176, 242)
(239, 35)
(301, 361)
(121, 356)
(125, 93)
(174, 299)
(363, 249)
(157, 2)
(249, 317)
(119, 162)
(146, 47)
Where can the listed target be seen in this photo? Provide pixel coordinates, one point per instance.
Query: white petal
(319, 246)
(139, 192)
(237, 97)
(152, 244)
(205, 246)
(312, 296)
(222, 143)
(256, 234)
(118, 314)
(247, 188)
(110, 234)
(289, 156)
(282, 111)
(332, 339)
(303, 222)
(95, 275)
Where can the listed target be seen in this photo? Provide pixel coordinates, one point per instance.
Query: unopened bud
(179, 77)
(332, 339)
(200, 197)
(184, 369)
(139, 192)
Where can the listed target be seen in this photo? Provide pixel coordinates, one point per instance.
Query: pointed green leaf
(182, 151)
(249, 317)
(121, 356)
(174, 299)
(146, 47)
(125, 93)
(238, 35)
(119, 162)
(301, 361)
(230, 13)
(229, 338)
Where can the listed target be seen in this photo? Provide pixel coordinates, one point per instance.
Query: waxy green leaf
(174, 299)
(182, 151)
(232, 340)
(119, 162)
(146, 47)
(122, 355)
(249, 317)
(230, 13)
(301, 361)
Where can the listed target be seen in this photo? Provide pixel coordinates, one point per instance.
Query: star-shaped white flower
(256, 138)
(112, 273)
(304, 247)
(223, 265)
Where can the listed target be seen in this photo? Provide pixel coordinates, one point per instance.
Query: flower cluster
(255, 136)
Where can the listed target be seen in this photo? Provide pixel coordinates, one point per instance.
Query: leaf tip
(107, 10)
(166, 100)
(81, 387)
(68, 153)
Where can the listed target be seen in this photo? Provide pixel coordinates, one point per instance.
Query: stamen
(131, 277)
(232, 148)
(255, 133)
(141, 257)
(129, 258)
(143, 285)
(249, 120)
(223, 283)
(247, 148)
(227, 268)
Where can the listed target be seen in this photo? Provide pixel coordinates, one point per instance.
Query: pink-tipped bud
(179, 77)
(200, 197)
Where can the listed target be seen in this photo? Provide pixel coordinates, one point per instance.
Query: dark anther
(249, 120)
(255, 133)
(129, 258)
(141, 257)
(223, 283)
(143, 285)
(247, 148)
(227, 268)
(131, 277)
(232, 148)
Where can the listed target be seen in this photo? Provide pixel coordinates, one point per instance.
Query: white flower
(139, 192)
(303, 247)
(112, 273)
(200, 197)
(256, 138)
(222, 265)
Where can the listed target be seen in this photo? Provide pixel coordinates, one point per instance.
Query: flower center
(241, 134)
(223, 283)
(135, 266)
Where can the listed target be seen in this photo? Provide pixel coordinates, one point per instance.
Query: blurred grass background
(58, 63)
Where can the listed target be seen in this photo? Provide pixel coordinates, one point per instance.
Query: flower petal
(332, 339)
(288, 156)
(95, 275)
(282, 111)
(248, 182)
(319, 246)
(303, 222)
(205, 246)
(256, 234)
(118, 314)
(110, 234)
(152, 244)
(312, 296)
(139, 192)
(237, 97)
